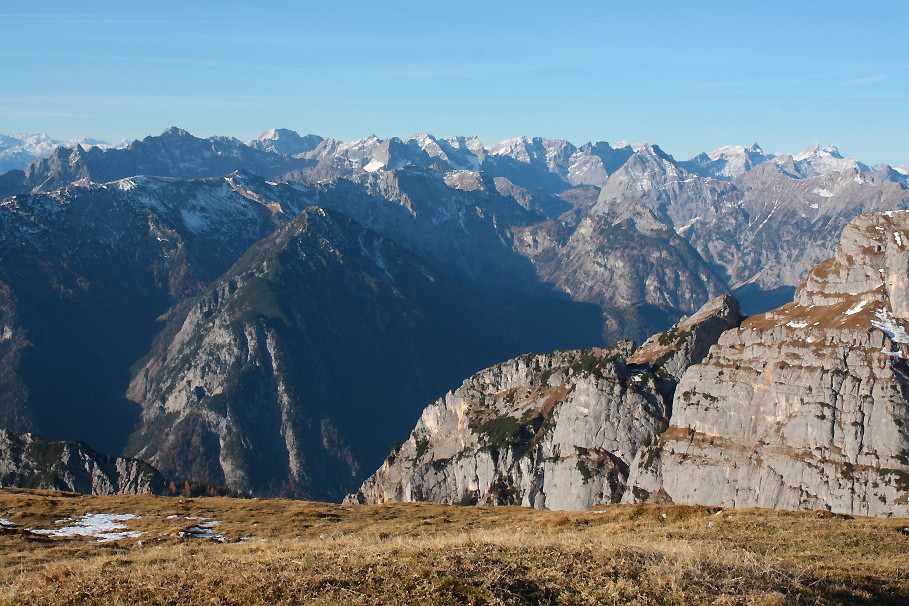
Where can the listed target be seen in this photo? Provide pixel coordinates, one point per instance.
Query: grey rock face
(689, 341)
(805, 406)
(550, 431)
(27, 461)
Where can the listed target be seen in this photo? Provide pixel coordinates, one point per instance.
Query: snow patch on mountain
(888, 325)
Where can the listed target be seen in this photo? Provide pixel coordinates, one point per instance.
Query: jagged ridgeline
(27, 461)
(805, 406)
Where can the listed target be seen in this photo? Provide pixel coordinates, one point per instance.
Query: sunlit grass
(434, 554)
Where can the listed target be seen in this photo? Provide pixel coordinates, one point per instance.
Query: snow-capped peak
(817, 160)
(816, 151)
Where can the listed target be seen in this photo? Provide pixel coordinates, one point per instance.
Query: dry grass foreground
(315, 553)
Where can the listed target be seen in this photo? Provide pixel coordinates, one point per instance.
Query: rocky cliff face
(551, 431)
(27, 461)
(806, 406)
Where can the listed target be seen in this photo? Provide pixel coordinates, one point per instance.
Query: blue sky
(690, 76)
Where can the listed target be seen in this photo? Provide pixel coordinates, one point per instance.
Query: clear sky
(689, 76)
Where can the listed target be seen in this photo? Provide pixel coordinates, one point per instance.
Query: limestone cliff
(27, 461)
(806, 406)
(553, 431)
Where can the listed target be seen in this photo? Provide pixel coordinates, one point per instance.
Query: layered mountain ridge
(107, 254)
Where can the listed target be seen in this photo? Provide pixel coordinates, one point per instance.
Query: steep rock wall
(804, 406)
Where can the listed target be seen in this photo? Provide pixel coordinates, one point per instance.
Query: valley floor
(251, 551)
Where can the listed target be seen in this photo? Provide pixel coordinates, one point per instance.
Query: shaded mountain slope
(292, 373)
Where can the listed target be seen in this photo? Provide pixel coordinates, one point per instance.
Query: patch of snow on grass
(105, 527)
(797, 324)
(204, 531)
(857, 308)
(6, 523)
(898, 238)
(888, 325)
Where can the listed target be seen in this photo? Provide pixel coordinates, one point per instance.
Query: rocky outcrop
(551, 431)
(27, 461)
(806, 406)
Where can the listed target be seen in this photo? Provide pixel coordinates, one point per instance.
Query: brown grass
(434, 554)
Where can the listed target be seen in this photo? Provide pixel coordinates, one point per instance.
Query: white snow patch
(797, 324)
(687, 226)
(857, 308)
(824, 193)
(126, 184)
(858, 179)
(373, 166)
(6, 523)
(105, 527)
(889, 326)
(898, 238)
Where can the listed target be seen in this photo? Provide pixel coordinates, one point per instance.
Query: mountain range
(270, 315)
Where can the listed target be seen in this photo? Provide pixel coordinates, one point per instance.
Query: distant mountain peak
(815, 150)
(173, 131)
(278, 133)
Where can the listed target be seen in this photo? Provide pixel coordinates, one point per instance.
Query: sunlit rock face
(553, 431)
(804, 406)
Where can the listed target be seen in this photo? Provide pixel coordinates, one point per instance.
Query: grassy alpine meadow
(273, 551)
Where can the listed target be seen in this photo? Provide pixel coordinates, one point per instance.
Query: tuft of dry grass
(302, 552)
